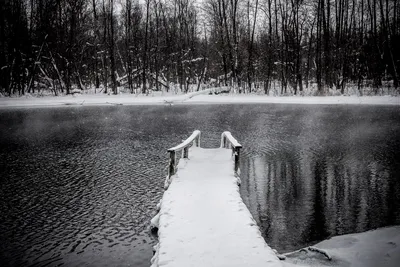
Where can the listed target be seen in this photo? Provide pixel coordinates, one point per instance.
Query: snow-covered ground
(374, 248)
(202, 97)
(232, 98)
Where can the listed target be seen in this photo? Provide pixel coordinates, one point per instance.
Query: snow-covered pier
(202, 220)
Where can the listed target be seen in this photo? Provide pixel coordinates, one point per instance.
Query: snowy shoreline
(193, 98)
(379, 247)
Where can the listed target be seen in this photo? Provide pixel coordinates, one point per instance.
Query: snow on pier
(202, 219)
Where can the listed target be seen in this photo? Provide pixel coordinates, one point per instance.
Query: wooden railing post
(227, 141)
(237, 157)
(223, 141)
(197, 140)
(184, 147)
(186, 152)
(171, 163)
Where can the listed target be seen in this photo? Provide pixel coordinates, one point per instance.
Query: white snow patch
(167, 182)
(201, 97)
(154, 223)
(316, 100)
(238, 181)
(158, 207)
(379, 247)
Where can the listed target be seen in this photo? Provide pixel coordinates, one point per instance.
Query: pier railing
(228, 141)
(194, 139)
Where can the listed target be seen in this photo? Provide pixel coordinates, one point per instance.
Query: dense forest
(67, 45)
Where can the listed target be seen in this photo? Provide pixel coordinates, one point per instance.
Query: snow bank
(201, 97)
(354, 100)
(379, 247)
(203, 220)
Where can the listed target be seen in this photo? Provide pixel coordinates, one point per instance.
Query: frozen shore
(380, 247)
(191, 98)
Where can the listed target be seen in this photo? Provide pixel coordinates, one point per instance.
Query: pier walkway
(202, 220)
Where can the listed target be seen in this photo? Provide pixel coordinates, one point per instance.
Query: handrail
(226, 139)
(227, 136)
(194, 138)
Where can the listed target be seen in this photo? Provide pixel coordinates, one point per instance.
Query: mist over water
(78, 185)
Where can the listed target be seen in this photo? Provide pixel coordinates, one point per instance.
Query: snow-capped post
(197, 140)
(186, 152)
(237, 156)
(223, 141)
(171, 170)
(184, 147)
(226, 138)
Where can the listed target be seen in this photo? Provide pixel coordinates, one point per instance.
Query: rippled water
(78, 185)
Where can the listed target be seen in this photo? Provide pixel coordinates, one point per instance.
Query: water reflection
(320, 175)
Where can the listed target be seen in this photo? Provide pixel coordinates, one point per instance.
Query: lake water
(78, 185)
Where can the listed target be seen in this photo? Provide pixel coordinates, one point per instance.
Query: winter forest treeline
(67, 45)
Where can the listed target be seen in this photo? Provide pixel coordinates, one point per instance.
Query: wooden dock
(202, 220)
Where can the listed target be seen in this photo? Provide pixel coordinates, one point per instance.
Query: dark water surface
(78, 185)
